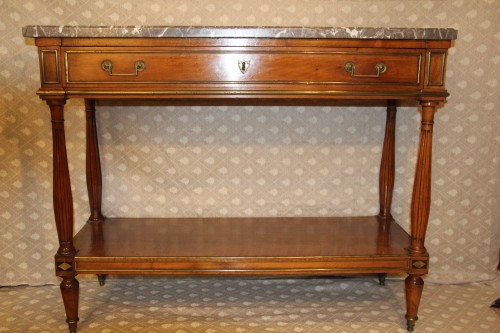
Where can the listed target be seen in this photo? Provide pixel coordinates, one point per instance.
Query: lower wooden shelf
(254, 246)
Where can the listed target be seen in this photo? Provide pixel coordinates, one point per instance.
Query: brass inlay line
(50, 92)
(244, 92)
(416, 83)
(347, 83)
(231, 50)
(376, 269)
(42, 59)
(64, 266)
(370, 258)
(419, 264)
(443, 60)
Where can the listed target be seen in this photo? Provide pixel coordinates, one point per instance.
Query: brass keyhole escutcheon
(243, 65)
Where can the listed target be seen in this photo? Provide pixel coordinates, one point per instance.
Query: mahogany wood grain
(62, 196)
(291, 66)
(93, 164)
(413, 290)
(63, 211)
(205, 71)
(242, 246)
(70, 292)
(421, 196)
(387, 164)
(280, 237)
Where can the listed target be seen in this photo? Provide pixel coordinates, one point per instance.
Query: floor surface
(250, 306)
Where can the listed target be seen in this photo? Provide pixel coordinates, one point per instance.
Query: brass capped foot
(72, 326)
(102, 279)
(410, 324)
(381, 278)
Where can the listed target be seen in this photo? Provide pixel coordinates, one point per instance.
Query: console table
(246, 64)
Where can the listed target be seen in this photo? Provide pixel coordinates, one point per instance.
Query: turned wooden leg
(413, 290)
(93, 165)
(94, 174)
(70, 290)
(419, 216)
(63, 213)
(386, 180)
(387, 163)
(421, 196)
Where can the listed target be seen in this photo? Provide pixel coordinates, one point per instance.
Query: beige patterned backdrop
(255, 161)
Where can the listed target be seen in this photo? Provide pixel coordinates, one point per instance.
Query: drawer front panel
(234, 67)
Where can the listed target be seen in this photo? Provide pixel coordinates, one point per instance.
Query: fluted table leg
(93, 164)
(63, 212)
(386, 176)
(93, 170)
(420, 206)
(387, 163)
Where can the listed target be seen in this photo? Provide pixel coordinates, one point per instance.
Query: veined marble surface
(241, 32)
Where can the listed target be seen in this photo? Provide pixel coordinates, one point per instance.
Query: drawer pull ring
(139, 66)
(380, 68)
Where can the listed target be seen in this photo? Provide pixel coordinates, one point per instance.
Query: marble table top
(37, 31)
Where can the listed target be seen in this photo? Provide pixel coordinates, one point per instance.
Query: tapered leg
(63, 212)
(70, 290)
(413, 290)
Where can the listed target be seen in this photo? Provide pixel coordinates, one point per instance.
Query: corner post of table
(419, 216)
(93, 164)
(63, 212)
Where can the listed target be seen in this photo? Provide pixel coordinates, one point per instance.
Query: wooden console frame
(248, 70)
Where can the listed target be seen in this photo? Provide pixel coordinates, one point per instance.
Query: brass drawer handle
(380, 68)
(139, 66)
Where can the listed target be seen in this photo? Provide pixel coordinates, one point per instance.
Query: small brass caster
(410, 324)
(72, 326)
(102, 279)
(381, 278)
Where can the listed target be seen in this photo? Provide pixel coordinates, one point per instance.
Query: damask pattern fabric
(254, 160)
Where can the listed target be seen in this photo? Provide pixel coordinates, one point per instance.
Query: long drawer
(181, 66)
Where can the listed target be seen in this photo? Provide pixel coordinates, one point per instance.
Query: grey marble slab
(238, 32)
